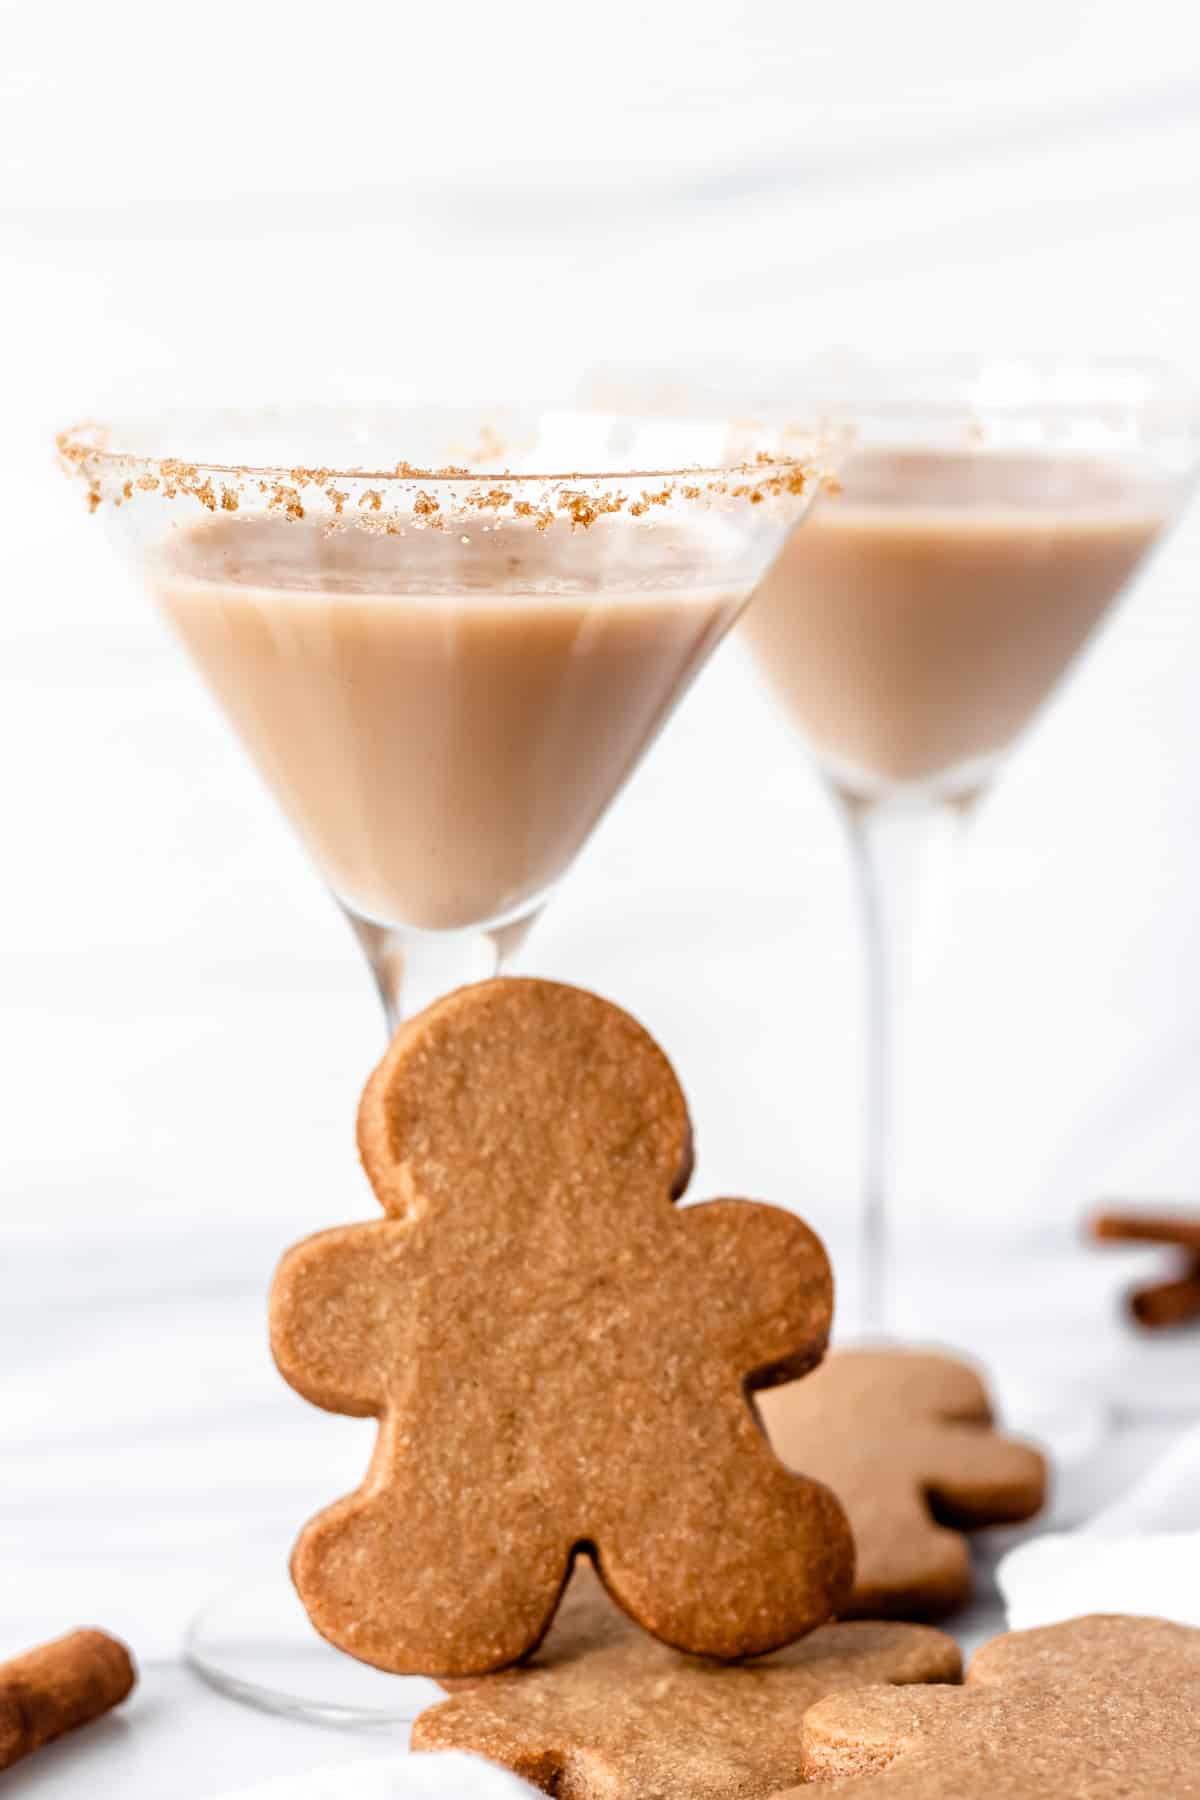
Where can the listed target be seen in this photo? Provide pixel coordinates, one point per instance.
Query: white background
(486, 202)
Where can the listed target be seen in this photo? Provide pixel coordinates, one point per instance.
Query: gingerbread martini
(443, 717)
(930, 607)
(988, 514)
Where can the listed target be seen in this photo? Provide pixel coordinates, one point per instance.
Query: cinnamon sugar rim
(433, 495)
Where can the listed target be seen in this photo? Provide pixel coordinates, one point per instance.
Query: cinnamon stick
(1168, 1303)
(59, 1686)
(1148, 1228)
(1158, 1305)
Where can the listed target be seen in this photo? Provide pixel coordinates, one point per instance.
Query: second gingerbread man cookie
(556, 1354)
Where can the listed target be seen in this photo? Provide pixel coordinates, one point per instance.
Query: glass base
(255, 1644)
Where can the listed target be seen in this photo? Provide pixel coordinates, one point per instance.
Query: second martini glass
(990, 513)
(445, 669)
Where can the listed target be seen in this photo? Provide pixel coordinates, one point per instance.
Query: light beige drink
(443, 721)
(918, 620)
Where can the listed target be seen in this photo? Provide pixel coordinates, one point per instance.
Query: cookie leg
(783, 1565)
(975, 1477)
(431, 1595)
(923, 1575)
(909, 1567)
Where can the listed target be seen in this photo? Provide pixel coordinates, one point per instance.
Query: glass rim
(85, 443)
(955, 384)
(733, 467)
(845, 388)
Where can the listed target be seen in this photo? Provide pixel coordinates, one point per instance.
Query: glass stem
(412, 969)
(900, 849)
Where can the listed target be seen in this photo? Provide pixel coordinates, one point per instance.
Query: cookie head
(1096, 1708)
(558, 1355)
(531, 1085)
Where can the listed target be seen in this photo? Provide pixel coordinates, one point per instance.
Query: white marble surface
(140, 1564)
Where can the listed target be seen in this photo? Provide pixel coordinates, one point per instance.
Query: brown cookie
(605, 1713)
(1103, 1708)
(1160, 1304)
(904, 1438)
(558, 1357)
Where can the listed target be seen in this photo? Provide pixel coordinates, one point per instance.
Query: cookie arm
(765, 1285)
(331, 1316)
(497, 1725)
(876, 1733)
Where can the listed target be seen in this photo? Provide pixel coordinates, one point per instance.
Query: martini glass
(990, 513)
(445, 668)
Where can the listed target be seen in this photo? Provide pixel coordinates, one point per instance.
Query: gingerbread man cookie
(905, 1440)
(558, 1357)
(1102, 1708)
(603, 1712)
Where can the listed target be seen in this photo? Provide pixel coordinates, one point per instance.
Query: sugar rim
(432, 495)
